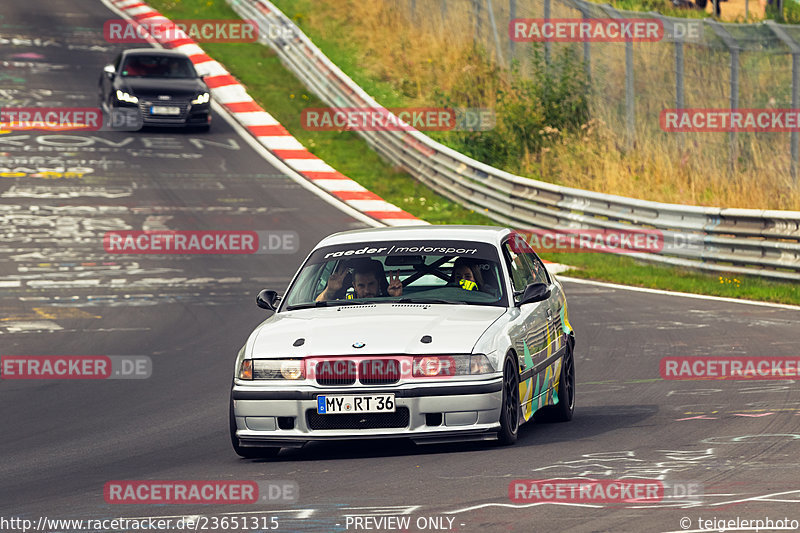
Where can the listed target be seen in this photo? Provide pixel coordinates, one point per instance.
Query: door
(530, 330)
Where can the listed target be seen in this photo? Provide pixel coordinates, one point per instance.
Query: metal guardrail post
(795, 105)
(679, 95)
(669, 27)
(734, 103)
(494, 32)
(476, 7)
(583, 7)
(734, 48)
(630, 105)
(512, 14)
(794, 47)
(587, 52)
(547, 43)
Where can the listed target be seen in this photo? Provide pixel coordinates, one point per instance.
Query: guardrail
(744, 241)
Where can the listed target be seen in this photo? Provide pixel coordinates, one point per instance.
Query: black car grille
(145, 106)
(336, 372)
(398, 419)
(368, 372)
(379, 371)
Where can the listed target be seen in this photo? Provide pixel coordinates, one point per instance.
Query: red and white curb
(232, 95)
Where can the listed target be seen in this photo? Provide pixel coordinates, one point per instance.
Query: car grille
(336, 372)
(369, 372)
(398, 419)
(184, 105)
(379, 371)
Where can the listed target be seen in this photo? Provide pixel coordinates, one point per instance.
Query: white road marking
(675, 293)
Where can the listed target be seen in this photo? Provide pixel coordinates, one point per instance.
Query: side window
(539, 270)
(324, 274)
(520, 268)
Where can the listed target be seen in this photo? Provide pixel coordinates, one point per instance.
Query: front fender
(495, 342)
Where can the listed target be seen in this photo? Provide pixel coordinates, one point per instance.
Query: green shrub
(529, 107)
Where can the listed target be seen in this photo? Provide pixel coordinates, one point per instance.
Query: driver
(369, 281)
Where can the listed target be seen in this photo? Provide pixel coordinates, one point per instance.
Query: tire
(246, 452)
(509, 413)
(563, 410)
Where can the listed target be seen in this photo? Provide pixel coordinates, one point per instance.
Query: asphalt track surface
(61, 293)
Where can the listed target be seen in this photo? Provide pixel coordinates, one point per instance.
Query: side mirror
(267, 299)
(535, 292)
(109, 71)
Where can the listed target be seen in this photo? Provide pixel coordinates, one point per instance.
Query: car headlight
(289, 369)
(125, 97)
(246, 369)
(479, 364)
(429, 366)
(203, 98)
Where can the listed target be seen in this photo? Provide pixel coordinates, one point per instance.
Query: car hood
(384, 329)
(154, 87)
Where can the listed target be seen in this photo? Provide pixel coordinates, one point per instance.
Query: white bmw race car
(435, 333)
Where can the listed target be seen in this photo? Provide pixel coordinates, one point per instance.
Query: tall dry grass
(431, 57)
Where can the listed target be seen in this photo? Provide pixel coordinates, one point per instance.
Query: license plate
(376, 403)
(165, 110)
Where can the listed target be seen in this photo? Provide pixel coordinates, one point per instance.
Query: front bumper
(437, 412)
(190, 115)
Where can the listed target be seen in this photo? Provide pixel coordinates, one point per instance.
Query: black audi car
(162, 84)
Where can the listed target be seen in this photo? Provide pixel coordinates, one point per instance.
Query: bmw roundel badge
(358, 345)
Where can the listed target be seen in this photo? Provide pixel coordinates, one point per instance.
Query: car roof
(487, 234)
(154, 52)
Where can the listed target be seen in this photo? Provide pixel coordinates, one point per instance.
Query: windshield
(143, 66)
(454, 272)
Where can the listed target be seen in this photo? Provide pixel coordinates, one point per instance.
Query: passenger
(467, 275)
(369, 281)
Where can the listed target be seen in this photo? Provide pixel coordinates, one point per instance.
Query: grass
(430, 60)
(284, 97)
